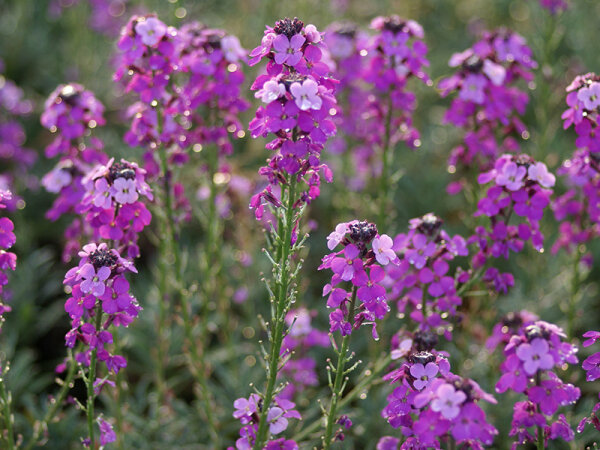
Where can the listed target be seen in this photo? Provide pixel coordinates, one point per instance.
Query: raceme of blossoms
(360, 262)
(578, 208)
(112, 206)
(71, 112)
(591, 365)
(422, 283)
(430, 404)
(376, 112)
(8, 260)
(520, 187)
(530, 357)
(298, 102)
(15, 158)
(489, 102)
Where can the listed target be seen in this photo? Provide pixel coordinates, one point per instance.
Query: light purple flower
(93, 281)
(511, 176)
(423, 374)
(539, 172)
(277, 423)
(306, 95)
(124, 191)
(535, 356)
(151, 30)
(590, 96)
(102, 194)
(447, 401)
(312, 34)
(232, 50)
(57, 179)
(107, 434)
(288, 50)
(335, 237)
(495, 72)
(382, 247)
(270, 91)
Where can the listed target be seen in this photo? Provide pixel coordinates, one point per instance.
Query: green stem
(384, 190)
(58, 401)
(91, 377)
(362, 385)
(574, 297)
(340, 373)
(8, 417)
(282, 303)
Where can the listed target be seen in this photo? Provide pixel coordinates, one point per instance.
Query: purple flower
(382, 247)
(423, 374)
(495, 72)
(447, 401)
(535, 355)
(102, 194)
(511, 176)
(277, 423)
(306, 95)
(473, 89)
(93, 282)
(592, 366)
(288, 51)
(107, 434)
(151, 30)
(335, 237)
(345, 267)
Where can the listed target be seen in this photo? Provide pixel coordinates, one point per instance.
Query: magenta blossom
(535, 356)
(288, 51)
(93, 281)
(151, 30)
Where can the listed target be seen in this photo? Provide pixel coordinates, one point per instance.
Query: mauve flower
(592, 366)
(151, 30)
(107, 434)
(306, 95)
(102, 194)
(288, 51)
(277, 423)
(539, 172)
(495, 72)
(448, 401)
(590, 96)
(473, 89)
(124, 191)
(535, 355)
(93, 282)
(335, 237)
(511, 176)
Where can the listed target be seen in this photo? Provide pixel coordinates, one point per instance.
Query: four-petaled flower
(447, 401)
(93, 282)
(288, 51)
(306, 94)
(535, 356)
(151, 30)
(124, 191)
(382, 247)
(423, 374)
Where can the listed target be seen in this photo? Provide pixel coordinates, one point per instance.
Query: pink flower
(270, 91)
(495, 72)
(288, 50)
(472, 89)
(102, 195)
(151, 30)
(335, 237)
(382, 246)
(306, 95)
(447, 401)
(277, 423)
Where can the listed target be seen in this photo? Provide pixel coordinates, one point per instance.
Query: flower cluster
(430, 403)
(422, 283)
(111, 203)
(247, 411)
(592, 367)
(362, 260)
(577, 209)
(15, 158)
(488, 99)
(531, 354)
(8, 260)
(97, 286)
(521, 186)
(72, 112)
(298, 104)
(373, 73)
(213, 60)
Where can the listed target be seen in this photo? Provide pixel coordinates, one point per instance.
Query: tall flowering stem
(361, 263)
(298, 102)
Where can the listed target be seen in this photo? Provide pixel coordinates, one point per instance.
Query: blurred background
(45, 43)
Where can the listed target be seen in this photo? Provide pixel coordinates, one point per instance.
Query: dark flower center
(422, 358)
(425, 341)
(473, 64)
(512, 320)
(102, 258)
(121, 170)
(394, 24)
(288, 27)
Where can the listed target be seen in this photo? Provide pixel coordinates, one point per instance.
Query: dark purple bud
(422, 358)
(288, 26)
(425, 341)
